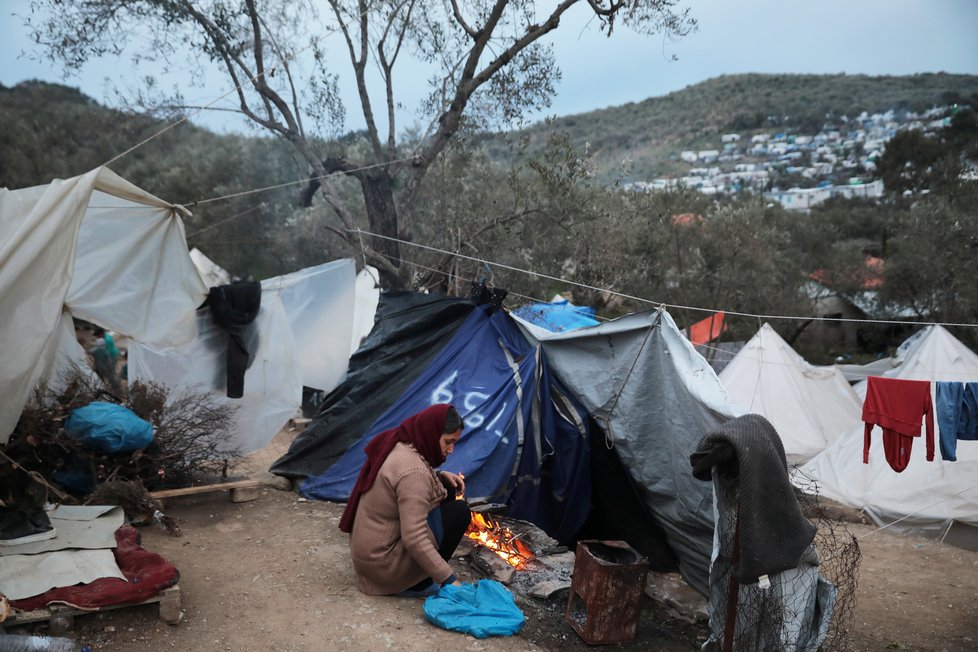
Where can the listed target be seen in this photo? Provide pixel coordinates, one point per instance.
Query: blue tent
(526, 440)
(585, 433)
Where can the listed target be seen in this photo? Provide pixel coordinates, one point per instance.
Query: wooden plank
(60, 616)
(205, 488)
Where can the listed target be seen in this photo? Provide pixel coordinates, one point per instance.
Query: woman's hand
(456, 482)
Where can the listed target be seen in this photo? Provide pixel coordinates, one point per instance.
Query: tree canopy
(487, 61)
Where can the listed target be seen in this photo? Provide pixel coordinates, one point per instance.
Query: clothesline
(574, 308)
(286, 184)
(586, 286)
(530, 272)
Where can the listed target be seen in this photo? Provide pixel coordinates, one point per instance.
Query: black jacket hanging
(233, 307)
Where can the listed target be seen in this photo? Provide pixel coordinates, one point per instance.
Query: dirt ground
(274, 574)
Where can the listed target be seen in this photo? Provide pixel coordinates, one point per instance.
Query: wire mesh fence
(796, 607)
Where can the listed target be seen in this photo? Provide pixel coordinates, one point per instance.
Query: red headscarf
(423, 430)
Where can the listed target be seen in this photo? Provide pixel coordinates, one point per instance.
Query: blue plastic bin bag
(483, 609)
(108, 428)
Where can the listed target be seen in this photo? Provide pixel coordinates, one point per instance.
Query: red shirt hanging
(897, 407)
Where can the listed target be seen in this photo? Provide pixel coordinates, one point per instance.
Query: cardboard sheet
(24, 576)
(89, 527)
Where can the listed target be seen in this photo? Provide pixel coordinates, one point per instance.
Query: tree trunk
(378, 196)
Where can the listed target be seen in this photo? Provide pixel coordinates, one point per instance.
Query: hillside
(54, 131)
(58, 131)
(648, 133)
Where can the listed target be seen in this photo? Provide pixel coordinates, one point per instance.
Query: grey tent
(654, 396)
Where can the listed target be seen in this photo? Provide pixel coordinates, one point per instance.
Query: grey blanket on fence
(773, 531)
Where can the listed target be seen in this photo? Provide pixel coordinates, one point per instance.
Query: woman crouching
(403, 517)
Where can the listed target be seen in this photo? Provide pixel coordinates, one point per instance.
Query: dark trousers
(455, 518)
(448, 523)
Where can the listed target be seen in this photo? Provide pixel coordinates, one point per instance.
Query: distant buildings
(829, 160)
(801, 199)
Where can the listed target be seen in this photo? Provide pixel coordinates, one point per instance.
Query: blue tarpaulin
(109, 428)
(515, 446)
(557, 317)
(488, 372)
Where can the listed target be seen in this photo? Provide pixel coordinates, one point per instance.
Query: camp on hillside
(539, 407)
(938, 498)
(809, 406)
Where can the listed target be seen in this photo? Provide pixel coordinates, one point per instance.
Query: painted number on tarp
(470, 401)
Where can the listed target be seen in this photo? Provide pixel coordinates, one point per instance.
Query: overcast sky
(875, 37)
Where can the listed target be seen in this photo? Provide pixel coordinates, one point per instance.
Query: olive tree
(487, 61)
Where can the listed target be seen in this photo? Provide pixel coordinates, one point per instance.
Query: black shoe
(17, 528)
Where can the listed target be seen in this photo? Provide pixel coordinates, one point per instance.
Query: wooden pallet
(241, 491)
(60, 618)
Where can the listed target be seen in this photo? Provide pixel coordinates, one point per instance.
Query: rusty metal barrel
(605, 599)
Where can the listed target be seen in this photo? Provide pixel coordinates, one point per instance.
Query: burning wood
(488, 532)
(531, 564)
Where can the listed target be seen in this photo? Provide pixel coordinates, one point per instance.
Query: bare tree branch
(461, 21)
(449, 120)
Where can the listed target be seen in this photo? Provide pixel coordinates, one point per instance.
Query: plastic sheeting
(483, 609)
(488, 372)
(654, 396)
(525, 440)
(557, 317)
(94, 247)
(319, 302)
(300, 337)
(365, 310)
(809, 406)
(410, 330)
(211, 273)
(937, 492)
(108, 427)
(272, 387)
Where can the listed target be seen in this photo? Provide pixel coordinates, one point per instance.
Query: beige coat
(391, 544)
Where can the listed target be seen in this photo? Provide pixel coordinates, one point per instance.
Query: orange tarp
(707, 330)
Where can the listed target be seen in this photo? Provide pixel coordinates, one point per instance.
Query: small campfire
(488, 532)
(516, 553)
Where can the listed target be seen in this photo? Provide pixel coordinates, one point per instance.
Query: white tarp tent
(97, 248)
(809, 406)
(301, 337)
(935, 493)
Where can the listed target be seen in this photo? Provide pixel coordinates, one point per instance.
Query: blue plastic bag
(109, 428)
(483, 609)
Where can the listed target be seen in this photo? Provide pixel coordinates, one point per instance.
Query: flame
(499, 539)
